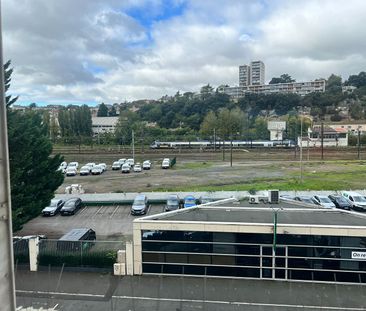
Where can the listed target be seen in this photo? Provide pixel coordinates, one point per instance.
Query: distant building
(104, 124)
(351, 128)
(337, 137)
(300, 88)
(244, 75)
(257, 73)
(276, 129)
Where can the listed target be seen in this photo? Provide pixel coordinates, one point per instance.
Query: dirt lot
(200, 169)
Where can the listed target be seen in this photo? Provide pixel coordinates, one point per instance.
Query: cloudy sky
(92, 51)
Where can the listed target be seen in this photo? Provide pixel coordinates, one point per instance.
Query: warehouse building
(282, 243)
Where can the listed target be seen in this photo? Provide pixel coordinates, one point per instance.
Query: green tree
(9, 99)
(284, 78)
(209, 123)
(33, 171)
(357, 80)
(102, 110)
(334, 84)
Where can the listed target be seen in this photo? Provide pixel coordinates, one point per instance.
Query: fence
(21, 252)
(86, 254)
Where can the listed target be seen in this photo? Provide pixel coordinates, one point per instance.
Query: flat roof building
(257, 73)
(286, 242)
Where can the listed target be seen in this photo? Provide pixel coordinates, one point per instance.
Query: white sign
(359, 255)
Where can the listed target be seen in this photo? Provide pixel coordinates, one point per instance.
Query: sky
(112, 51)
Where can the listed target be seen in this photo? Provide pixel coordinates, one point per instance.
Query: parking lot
(113, 222)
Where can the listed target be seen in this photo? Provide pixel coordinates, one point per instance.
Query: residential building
(351, 128)
(257, 73)
(300, 88)
(104, 124)
(331, 137)
(244, 75)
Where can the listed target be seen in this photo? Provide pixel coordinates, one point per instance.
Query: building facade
(104, 124)
(257, 73)
(244, 75)
(331, 137)
(300, 88)
(304, 244)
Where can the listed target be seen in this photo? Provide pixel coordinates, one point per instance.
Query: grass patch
(350, 179)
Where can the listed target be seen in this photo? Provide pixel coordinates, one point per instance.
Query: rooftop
(253, 214)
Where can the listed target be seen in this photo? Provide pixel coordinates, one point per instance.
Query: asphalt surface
(88, 291)
(109, 222)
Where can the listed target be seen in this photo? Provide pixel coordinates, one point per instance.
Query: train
(205, 144)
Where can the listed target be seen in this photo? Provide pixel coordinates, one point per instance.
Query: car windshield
(70, 203)
(306, 200)
(190, 201)
(115, 163)
(342, 200)
(139, 202)
(359, 199)
(325, 200)
(172, 201)
(53, 202)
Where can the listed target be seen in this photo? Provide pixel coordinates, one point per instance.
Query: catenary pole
(7, 283)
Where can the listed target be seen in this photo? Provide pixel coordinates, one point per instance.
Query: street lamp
(274, 245)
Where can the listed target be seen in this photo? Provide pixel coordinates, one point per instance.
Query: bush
(104, 259)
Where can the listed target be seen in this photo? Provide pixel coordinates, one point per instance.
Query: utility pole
(359, 144)
(133, 145)
(231, 151)
(301, 145)
(322, 139)
(214, 140)
(7, 283)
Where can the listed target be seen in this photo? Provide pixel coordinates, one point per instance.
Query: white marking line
(97, 212)
(84, 208)
(115, 210)
(197, 301)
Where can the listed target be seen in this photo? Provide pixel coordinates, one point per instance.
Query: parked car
(189, 201)
(126, 168)
(74, 164)
(146, 165)
(340, 202)
(304, 199)
(172, 203)
(71, 171)
(165, 164)
(131, 162)
(90, 164)
(323, 200)
(77, 239)
(54, 207)
(71, 206)
(140, 205)
(137, 168)
(62, 167)
(97, 170)
(116, 165)
(357, 200)
(122, 161)
(104, 166)
(85, 170)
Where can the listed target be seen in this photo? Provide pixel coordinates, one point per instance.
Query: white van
(357, 200)
(165, 164)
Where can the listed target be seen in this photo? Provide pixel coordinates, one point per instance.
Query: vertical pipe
(7, 282)
(322, 139)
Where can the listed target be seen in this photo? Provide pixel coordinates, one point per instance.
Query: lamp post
(301, 117)
(274, 244)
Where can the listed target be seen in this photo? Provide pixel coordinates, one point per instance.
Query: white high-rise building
(244, 75)
(257, 73)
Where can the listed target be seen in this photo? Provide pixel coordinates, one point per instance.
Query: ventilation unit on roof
(273, 196)
(253, 199)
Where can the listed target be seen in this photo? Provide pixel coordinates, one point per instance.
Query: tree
(9, 100)
(209, 123)
(284, 78)
(33, 171)
(112, 112)
(357, 80)
(102, 110)
(334, 84)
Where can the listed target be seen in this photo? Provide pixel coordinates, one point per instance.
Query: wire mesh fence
(21, 251)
